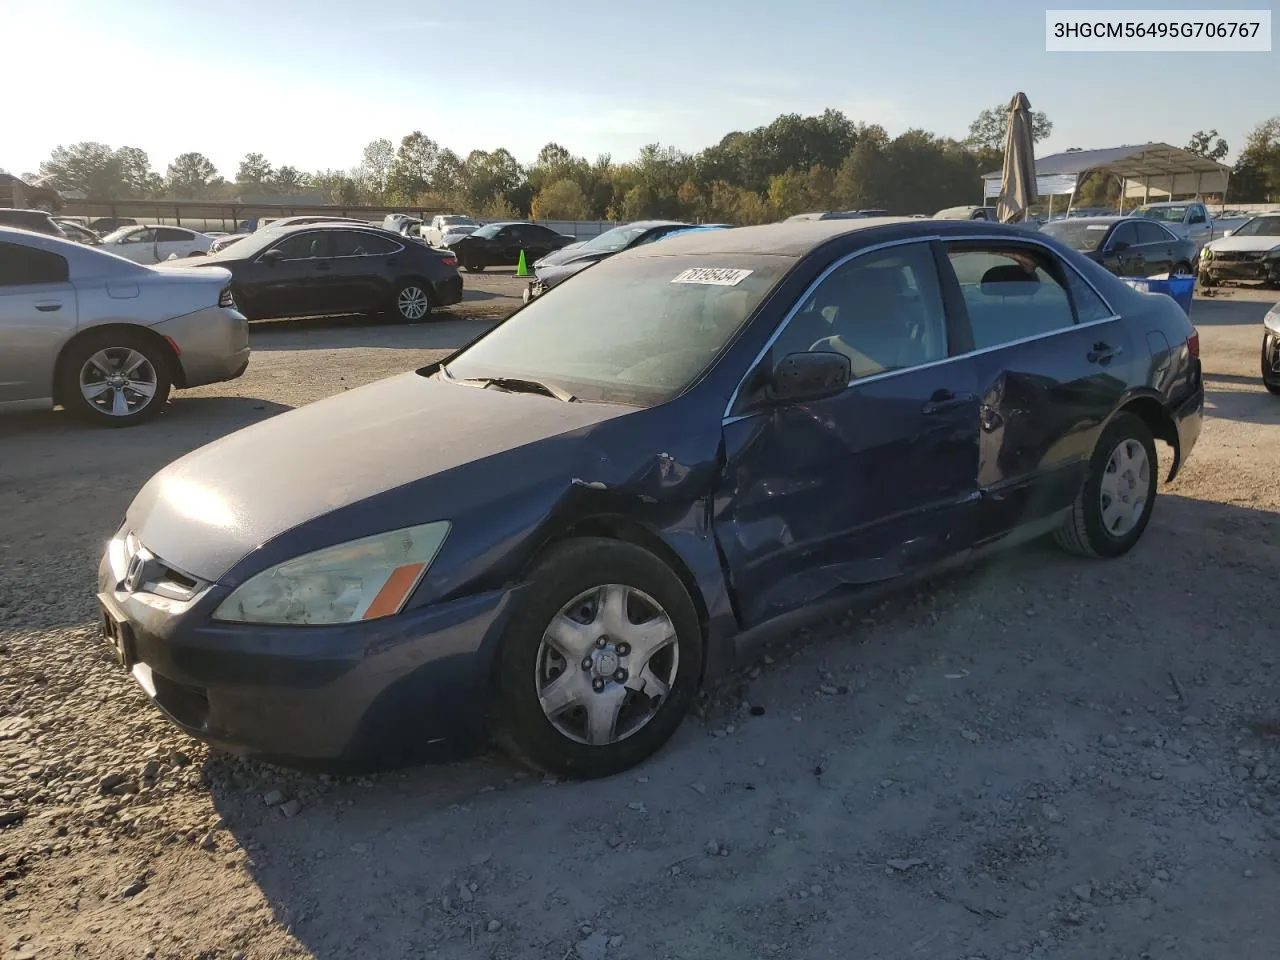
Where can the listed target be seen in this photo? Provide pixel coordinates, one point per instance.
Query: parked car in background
(968, 213)
(836, 215)
(1188, 219)
(565, 262)
(154, 243)
(403, 224)
(496, 244)
(434, 234)
(104, 225)
(1271, 350)
(221, 243)
(329, 268)
(1126, 246)
(1252, 252)
(584, 539)
(78, 232)
(453, 233)
(105, 338)
(36, 221)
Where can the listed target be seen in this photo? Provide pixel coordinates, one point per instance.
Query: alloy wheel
(413, 303)
(118, 381)
(606, 664)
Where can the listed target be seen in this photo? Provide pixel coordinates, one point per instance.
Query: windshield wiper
(520, 385)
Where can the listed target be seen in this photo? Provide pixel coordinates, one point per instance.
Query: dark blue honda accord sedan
(557, 534)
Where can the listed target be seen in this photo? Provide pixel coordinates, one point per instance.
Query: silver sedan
(106, 338)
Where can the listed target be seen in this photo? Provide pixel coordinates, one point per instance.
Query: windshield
(613, 240)
(1259, 227)
(1079, 235)
(636, 331)
(1166, 214)
(488, 230)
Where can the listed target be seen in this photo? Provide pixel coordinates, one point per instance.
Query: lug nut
(600, 642)
(624, 648)
(586, 663)
(620, 675)
(597, 684)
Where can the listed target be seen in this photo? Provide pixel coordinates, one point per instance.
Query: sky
(310, 82)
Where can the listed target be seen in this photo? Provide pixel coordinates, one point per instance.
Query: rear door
(138, 245)
(821, 498)
(1052, 362)
(1156, 245)
(37, 315)
(356, 274)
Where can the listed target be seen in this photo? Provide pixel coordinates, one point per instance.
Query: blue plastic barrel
(1181, 289)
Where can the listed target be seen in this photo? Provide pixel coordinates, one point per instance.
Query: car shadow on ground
(452, 858)
(1251, 405)
(442, 332)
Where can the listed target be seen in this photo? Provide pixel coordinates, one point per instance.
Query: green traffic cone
(522, 269)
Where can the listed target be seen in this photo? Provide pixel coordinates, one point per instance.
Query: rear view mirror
(810, 376)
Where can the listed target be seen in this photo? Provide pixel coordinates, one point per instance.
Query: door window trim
(352, 256)
(727, 417)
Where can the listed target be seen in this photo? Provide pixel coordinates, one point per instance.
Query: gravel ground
(1040, 757)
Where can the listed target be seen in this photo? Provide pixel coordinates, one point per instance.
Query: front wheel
(598, 666)
(1114, 504)
(412, 301)
(115, 379)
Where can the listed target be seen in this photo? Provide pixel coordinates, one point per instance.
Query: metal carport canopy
(1144, 167)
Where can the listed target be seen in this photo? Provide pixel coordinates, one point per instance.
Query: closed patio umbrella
(1018, 179)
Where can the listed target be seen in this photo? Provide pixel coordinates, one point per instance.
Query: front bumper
(1241, 269)
(401, 689)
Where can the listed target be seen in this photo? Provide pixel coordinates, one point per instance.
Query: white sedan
(108, 339)
(154, 243)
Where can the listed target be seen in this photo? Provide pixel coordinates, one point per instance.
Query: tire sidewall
(1124, 427)
(567, 572)
(79, 354)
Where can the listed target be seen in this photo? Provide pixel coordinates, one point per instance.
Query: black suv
(36, 221)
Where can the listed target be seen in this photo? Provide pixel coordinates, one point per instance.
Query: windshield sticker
(716, 276)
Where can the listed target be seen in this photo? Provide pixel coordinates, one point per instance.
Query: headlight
(360, 580)
(1273, 253)
(1272, 320)
(1206, 254)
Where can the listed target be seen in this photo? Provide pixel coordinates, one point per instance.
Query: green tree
(1208, 144)
(88, 167)
(562, 200)
(255, 170)
(413, 167)
(336, 186)
(1256, 176)
(375, 168)
(288, 179)
(991, 126)
(190, 176)
(136, 178)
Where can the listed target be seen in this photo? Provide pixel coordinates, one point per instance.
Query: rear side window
(170, 235)
(22, 266)
(1151, 233)
(353, 243)
(1089, 306)
(1010, 293)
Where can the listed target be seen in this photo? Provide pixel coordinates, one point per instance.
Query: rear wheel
(1114, 504)
(599, 665)
(412, 302)
(1181, 270)
(115, 378)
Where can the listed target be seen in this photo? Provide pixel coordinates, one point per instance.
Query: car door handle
(48, 306)
(943, 400)
(1103, 353)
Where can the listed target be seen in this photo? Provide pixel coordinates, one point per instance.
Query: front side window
(23, 266)
(883, 310)
(1010, 293)
(635, 331)
(1197, 215)
(302, 246)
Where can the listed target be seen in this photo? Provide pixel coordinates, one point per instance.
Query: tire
(1181, 269)
(1273, 386)
(1093, 530)
(1207, 281)
(586, 578)
(92, 363)
(411, 302)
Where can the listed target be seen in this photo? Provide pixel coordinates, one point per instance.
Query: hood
(1244, 244)
(551, 275)
(563, 255)
(211, 508)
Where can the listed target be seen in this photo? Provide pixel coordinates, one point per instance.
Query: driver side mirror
(272, 256)
(809, 376)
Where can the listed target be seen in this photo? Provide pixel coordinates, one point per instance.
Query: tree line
(792, 165)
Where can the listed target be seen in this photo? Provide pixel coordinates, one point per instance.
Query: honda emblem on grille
(135, 573)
